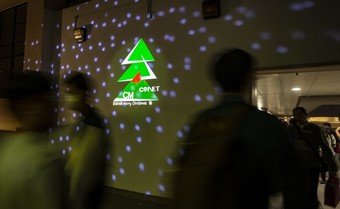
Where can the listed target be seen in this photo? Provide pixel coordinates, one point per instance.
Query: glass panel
(18, 64)
(8, 18)
(19, 48)
(5, 51)
(6, 36)
(21, 13)
(20, 32)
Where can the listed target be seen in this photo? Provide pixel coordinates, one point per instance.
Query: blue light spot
(120, 159)
(137, 127)
(210, 98)
(157, 109)
(212, 39)
(228, 18)
(172, 10)
(122, 126)
(282, 50)
(241, 10)
(113, 177)
(159, 129)
(191, 32)
(128, 148)
(183, 21)
(176, 80)
(169, 66)
(187, 60)
(161, 13)
(203, 48)
(239, 22)
(141, 167)
(250, 14)
(114, 113)
(198, 99)
(122, 171)
(165, 93)
(172, 94)
(256, 46)
(148, 119)
(182, 9)
(169, 161)
(161, 187)
(139, 139)
(265, 35)
(196, 14)
(180, 134)
(187, 67)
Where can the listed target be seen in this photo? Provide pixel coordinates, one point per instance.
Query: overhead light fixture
(79, 34)
(211, 9)
(296, 89)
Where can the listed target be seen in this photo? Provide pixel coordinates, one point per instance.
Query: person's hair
(78, 80)
(327, 124)
(231, 67)
(301, 109)
(30, 83)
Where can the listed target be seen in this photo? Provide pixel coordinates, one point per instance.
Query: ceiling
(6, 4)
(319, 85)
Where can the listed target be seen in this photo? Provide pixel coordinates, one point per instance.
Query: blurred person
(331, 142)
(86, 162)
(236, 156)
(30, 173)
(308, 139)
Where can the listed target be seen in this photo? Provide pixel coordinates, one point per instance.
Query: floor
(275, 201)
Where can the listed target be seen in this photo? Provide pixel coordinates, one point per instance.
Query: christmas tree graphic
(138, 89)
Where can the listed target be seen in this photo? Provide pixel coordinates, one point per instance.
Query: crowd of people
(235, 156)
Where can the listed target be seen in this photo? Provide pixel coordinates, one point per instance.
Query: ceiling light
(296, 89)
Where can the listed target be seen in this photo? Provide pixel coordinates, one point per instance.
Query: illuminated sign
(137, 91)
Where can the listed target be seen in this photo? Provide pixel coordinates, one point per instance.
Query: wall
(277, 33)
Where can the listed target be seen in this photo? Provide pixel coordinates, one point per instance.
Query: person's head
(300, 115)
(327, 127)
(32, 102)
(76, 91)
(232, 69)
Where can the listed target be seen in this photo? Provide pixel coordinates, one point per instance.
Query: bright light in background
(296, 89)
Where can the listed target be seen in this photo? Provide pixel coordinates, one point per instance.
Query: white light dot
(122, 171)
(120, 159)
(255, 46)
(161, 187)
(239, 22)
(113, 177)
(139, 139)
(159, 129)
(203, 48)
(128, 148)
(169, 161)
(157, 109)
(172, 94)
(114, 113)
(141, 167)
(137, 127)
(122, 126)
(148, 119)
(198, 98)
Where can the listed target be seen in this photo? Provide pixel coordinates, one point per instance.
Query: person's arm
(327, 152)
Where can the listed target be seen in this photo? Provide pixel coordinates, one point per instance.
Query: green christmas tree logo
(139, 71)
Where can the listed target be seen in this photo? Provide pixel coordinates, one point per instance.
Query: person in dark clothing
(30, 170)
(236, 156)
(308, 139)
(86, 163)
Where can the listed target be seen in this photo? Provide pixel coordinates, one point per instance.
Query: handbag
(332, 192)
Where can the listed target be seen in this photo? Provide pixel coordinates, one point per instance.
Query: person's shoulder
(94, 119)
(313, 126)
